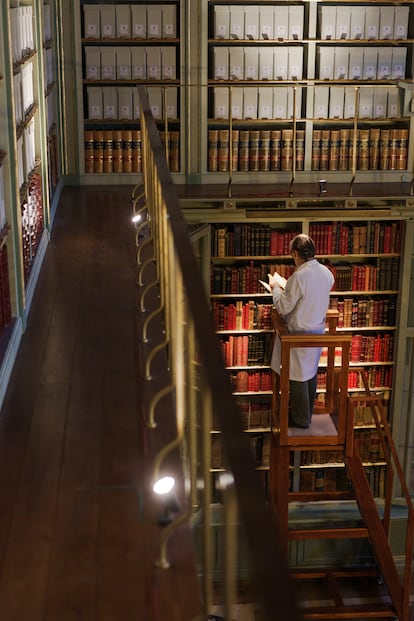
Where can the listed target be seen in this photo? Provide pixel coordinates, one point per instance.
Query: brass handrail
(204, 379)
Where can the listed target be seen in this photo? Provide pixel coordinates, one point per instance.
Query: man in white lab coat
(302, 301)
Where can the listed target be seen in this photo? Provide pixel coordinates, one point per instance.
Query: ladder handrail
(392, 462)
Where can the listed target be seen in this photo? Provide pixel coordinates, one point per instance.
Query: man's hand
(276, 280)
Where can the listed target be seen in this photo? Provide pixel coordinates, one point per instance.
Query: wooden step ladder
(332, 428)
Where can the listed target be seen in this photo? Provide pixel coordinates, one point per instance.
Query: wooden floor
(75, 543)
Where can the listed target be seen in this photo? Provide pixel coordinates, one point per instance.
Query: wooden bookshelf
(311, 81)
(365, 254)
(122, 46)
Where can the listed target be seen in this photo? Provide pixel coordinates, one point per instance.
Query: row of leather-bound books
(254, 150)
(375, 148)
(119, 151)
(32, 222)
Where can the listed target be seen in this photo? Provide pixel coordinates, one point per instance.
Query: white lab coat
(303, 305)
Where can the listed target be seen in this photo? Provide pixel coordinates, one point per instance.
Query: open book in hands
(274, 279)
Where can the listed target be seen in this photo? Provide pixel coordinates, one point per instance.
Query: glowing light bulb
(164, 485)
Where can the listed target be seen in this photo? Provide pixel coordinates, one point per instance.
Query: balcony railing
(186, 387)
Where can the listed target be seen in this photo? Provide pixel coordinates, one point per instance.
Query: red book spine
(387, 239)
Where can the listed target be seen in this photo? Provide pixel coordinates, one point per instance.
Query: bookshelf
(28, 197)
(365, 255)
(122, 46)
(276, 88)
(301, 89)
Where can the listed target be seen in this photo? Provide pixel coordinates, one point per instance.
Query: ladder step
(329, 533)
(348, 593)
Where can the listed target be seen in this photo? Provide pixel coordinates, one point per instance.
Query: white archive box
(27, 87)
(139, 21)
(296, 15)
(110, 102)
(236, 23)
(17, 97)
(91, 22)
(357, 23)
(28, 26)
(251, 63)
(123, 63)
(237, 97)
(393, 104)
(350, 102)
(93, 63)
(221, 22)
(221, 63)
(95, 103)
(265, 63)
(138, 63)
(281, 22)
(343, 22)
(372, 18)
(399, 57)
(153, 63)
(171, 103)
(265, 102)
(327, 20)
(280, 63)
(266, 22)
(251, 22)
(16, 49)
(386, 23)
(107, 20)
(369, 70)
(321, 102)
(250, 103)
(336, 102)
(356, 63)
(108, 63)
(221, 103)
(155, 101)
(366, 101)
(236, 63)
(401, 14)
(168, 62)
(326, 60)
(154, 29)
(169, 21)
(384, 63)
(379, 106)
(280, 98)
(290, 99)
(295, 63)
(125, 103)
(123, 21)
(341, 63)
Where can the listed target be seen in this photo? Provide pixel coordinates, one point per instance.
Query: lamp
(164, 487)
